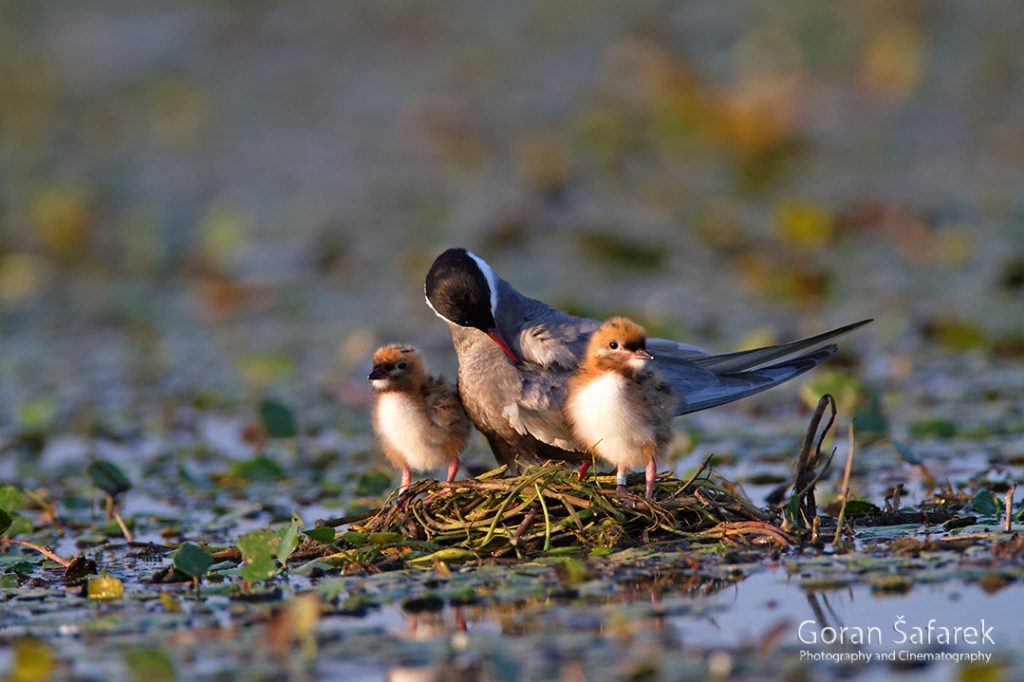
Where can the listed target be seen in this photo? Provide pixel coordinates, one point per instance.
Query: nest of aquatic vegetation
(547, 509)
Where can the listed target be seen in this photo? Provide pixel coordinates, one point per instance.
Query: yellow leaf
(105, 587)
(33, 661)
(169, 603)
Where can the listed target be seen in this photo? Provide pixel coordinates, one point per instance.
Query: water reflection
(691, 624)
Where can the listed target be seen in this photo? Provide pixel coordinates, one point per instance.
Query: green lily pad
(372, 483)
(933, 428)
(259, 570)
(278, 419)
(324, 535)
(108, 477)
(149, 665)
(19, 525)
(259, 469)
(11, 497)
(986, 503)
(259, 544)
(289, 539)
(192, 560)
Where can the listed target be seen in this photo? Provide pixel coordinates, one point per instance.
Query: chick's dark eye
(613, 345)
(402, 365)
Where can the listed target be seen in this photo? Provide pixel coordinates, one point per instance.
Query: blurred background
(211, 201)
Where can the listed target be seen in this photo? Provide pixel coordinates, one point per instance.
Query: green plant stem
(837, 540)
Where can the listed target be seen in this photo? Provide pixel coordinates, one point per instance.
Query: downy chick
(417, 417)
(619, 407)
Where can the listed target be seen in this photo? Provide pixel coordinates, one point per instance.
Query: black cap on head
(458, 290)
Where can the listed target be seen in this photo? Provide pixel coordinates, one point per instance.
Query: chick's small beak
(377, 373)
(503, 345)
(642, 354)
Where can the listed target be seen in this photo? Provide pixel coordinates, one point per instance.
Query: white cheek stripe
(431, 306)
(492, 281)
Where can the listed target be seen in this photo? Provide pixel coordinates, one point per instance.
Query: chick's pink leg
(406, 478)
(652, 473)
(453, 468)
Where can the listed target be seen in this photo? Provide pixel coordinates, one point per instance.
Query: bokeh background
(211, 201)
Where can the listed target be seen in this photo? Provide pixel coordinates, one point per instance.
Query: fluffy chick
(618, 405)
(418, 418)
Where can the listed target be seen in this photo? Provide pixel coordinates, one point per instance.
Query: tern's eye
(402, 365)
(613, 345)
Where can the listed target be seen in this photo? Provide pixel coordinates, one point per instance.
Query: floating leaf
(289, 539)
(260, 469)
(259, 544)
(258, 570)
(19, 525)
(11, 498)
(37, 415)
(278, 420)
(192, 560)
(149, 665)
(105, 587)
(861, 508)
(804, 224)
(108, 477)
(169, 603)
(933, 428)
(373, 482)
(960, 522)
(324, 535)
(986, 503)
(34, 661)
(870, 420)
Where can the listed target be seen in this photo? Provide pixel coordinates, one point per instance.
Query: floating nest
(546, 509)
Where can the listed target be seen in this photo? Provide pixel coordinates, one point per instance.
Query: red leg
(583, 469)
(652, 473)
(453, 468)
(406, 477)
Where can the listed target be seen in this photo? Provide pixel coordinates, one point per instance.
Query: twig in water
(837, 541)
(39, 548)
(810, 455)
(124, 529)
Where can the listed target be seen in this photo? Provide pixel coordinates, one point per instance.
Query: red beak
(503, 345)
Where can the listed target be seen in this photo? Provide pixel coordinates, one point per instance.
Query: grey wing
(537, 411)
(445, 409)
(699, 388)
(541, 334)
(725, 363)
(556, 342)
